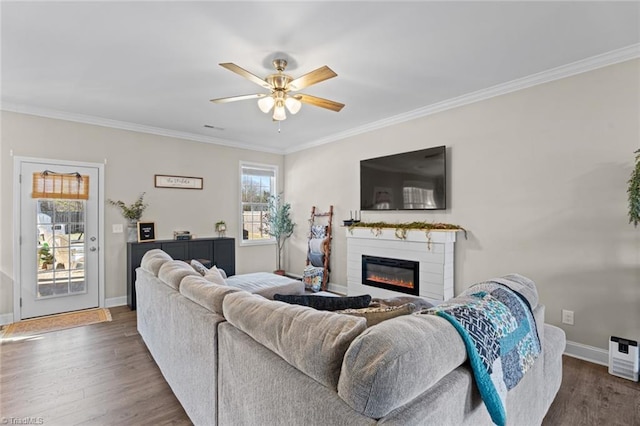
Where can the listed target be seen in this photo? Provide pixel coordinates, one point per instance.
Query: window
(257, 184)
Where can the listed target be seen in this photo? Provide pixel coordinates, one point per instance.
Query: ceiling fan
(281, 86)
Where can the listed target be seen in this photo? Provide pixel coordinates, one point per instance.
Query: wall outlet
(117, 228)
(567, 317)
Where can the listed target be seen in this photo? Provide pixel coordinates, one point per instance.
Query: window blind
(66, 186)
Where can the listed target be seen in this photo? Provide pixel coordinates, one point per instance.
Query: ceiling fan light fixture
(278, 101)
(265, 104)
(279, 113)
(293, 104)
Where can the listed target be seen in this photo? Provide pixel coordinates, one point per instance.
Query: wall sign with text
(182, 182)
(146, 231)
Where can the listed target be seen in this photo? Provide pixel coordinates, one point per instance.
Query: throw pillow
(213, 275)
(377, 315)
(199, 267)
(419, 302)
(325, 303)
(312, 278)
(222, 272)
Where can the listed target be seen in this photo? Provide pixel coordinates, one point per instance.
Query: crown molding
(124, 125)
(610, 58)
(578, 67)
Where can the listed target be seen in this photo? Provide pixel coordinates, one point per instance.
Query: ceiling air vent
(209, 126)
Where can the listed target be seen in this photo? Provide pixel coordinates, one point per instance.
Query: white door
(59, 244)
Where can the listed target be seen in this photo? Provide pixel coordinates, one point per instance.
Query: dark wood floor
(103, 374)
(589, 395)
(100, 374)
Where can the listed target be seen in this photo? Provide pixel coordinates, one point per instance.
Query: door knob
(93, 249)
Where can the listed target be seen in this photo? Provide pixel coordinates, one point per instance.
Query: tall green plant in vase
(132, 213)
(634, 192)
(278, 224)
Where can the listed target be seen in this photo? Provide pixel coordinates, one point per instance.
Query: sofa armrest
(538, 316)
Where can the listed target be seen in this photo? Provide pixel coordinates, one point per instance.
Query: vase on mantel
(132, 231)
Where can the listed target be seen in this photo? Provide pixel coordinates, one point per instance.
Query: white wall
(539, 179)
(132, 159)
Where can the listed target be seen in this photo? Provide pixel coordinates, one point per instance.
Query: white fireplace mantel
(434, 250)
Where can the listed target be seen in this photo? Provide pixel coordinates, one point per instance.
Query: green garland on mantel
(402, 228)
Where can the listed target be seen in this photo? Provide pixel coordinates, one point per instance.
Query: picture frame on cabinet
(146, 231)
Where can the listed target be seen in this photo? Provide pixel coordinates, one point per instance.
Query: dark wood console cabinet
(220, 251)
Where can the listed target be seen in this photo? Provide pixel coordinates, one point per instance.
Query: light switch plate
(117, 228)
(567, 317)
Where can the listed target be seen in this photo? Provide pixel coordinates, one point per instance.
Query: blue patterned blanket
(501, 338)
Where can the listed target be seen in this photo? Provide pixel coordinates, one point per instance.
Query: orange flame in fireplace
(391, 281)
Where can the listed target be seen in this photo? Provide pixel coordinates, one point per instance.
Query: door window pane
(61, 248)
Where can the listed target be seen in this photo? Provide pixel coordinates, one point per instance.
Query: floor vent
(624, 359)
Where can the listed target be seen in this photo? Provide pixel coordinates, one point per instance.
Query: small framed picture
(146, 231)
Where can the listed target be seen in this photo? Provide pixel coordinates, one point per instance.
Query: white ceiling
(153, 66)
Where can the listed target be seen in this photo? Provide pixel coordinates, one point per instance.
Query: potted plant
(221, 228)
(132, 213)
(278, 224)
(46, 257)
(634, 192)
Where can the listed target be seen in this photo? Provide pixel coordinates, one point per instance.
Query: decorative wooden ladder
(325, 217)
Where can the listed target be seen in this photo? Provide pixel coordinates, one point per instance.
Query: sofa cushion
(392, 363)
(265, 284)
(312, 341)
(173, 271)
(205, 293)
(153, 260)
(326, 303)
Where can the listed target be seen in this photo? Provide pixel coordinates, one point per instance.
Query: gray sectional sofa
(236, 358)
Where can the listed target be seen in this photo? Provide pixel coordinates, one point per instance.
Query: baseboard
(6, 318)
(115, 301)
(108, 303)
(337, 288)
(587, 353)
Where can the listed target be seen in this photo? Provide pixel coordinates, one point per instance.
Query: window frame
(274, 188)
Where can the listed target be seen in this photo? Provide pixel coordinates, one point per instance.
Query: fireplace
(433, 251)
(391, 274)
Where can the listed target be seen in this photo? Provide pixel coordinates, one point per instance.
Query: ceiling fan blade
(238, 98)
(246, 74)
(313, 77)
(319, 102)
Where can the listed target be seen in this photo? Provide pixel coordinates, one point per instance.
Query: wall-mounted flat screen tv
(413, 180)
